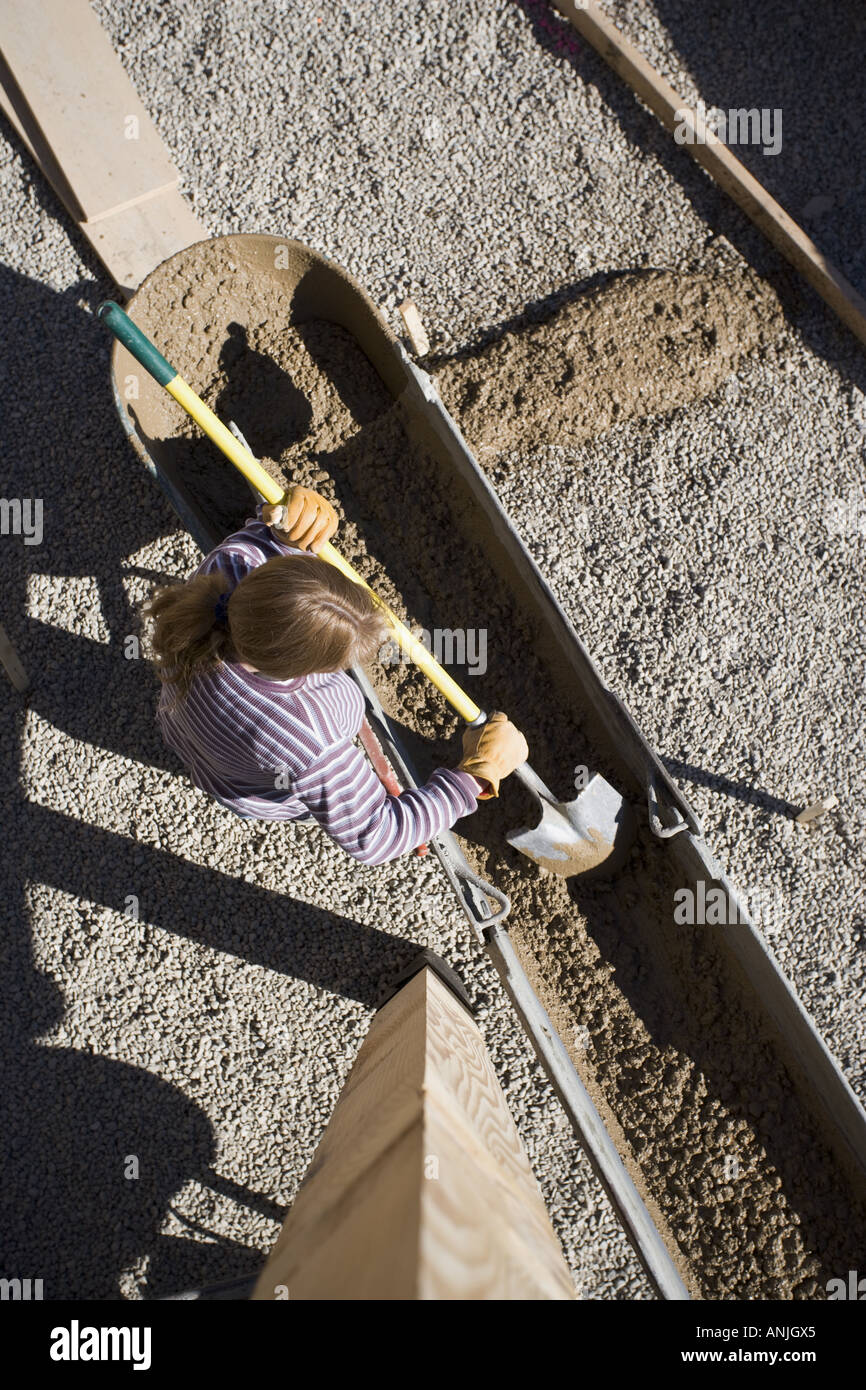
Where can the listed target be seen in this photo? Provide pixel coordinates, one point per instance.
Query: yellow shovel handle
(162, 371)
(262, 481)
(225, 440)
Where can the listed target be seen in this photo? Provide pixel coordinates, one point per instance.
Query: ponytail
(189, 635)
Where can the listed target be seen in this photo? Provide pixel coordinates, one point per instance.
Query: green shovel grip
(136, 342)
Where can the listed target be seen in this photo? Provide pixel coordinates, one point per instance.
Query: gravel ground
(481, 159)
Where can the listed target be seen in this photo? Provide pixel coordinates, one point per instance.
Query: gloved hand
(493, 750)
(306, 520)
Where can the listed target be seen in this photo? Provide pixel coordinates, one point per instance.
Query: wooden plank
(485, 1232)
(415, 330)
(130, 243)
(420, 1187)
(10, 663)
(11, 115)
(817, 809)
(723, 166)
(70, 92)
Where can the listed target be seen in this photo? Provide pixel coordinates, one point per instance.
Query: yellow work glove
(493, 750)
(306, 520)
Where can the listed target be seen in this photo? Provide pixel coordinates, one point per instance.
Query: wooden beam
(420, 1187)
(70, 91)
(723, 166)
(133, 242)
(415, 330)
(130, 243)
(122, 194)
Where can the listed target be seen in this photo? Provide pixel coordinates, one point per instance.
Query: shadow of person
(344, 364)
(95, 1148)
(260, 396)
(93, 1152)
(208, 492)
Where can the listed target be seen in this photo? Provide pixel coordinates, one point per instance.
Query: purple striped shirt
(279, 750)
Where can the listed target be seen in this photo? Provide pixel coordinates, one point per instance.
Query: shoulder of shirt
(229, 672)
(253, 545)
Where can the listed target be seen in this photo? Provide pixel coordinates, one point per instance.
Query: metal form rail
(671, 818)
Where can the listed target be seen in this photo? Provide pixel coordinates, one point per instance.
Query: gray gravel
(480, 158)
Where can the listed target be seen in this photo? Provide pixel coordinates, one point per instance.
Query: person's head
(290, 617)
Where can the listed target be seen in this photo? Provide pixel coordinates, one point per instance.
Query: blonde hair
(289, 617)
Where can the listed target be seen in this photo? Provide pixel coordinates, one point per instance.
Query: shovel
(591, 832)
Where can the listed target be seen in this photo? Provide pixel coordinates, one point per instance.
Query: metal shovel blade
(593, 832)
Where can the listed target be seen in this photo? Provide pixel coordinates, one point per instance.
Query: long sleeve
(345, 796)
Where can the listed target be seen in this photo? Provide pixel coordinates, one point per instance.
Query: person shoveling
(255, 649)
(253, 652)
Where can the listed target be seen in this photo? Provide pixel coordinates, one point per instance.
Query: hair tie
(221, 610)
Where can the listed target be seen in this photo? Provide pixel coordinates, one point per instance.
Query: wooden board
(420, 1187)
(590, 21)
(70, 93)
(130, 242)
(415, 330)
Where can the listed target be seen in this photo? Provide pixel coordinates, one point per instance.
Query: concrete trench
(710, 1112)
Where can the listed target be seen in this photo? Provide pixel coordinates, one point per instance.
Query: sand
(643, 344)
(692, 1087)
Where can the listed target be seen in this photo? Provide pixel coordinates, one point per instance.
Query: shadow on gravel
(72, 1214)
(64, 446)
(806, 61)
(740, 791)
(93, 694)
(221, 912)
(72, 1120)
